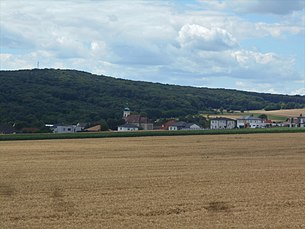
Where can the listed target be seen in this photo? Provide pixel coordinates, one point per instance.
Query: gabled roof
(136, 119)
(222, 118)
(94, 128)
(133, 119)
(188, 125)
(248, 118)
(182, 124)
(179, 124)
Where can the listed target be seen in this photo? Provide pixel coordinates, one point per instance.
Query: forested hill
(69, 96)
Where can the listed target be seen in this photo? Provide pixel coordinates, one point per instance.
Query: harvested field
(219, 181)
(283, 113)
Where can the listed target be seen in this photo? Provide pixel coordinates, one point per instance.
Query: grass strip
(11, 137)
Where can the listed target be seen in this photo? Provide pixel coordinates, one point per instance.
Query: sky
(251, 45)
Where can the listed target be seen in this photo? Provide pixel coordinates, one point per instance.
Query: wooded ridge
(70, 96)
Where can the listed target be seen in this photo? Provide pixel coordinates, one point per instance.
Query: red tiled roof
(169, 123)
(136, 119)
(133, 119)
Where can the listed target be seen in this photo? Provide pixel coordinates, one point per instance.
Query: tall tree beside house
(263, 116)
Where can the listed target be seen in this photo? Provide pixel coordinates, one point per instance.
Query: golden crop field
(225, 181)
(284, 113)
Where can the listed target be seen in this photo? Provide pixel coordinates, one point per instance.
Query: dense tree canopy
(38, 96)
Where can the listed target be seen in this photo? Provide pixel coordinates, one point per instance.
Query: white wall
(127, 129)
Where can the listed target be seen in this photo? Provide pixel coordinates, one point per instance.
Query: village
(138, 122)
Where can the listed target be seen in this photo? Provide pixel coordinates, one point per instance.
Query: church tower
(126, 113)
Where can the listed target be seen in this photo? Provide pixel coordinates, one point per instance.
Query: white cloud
(199, 37)
(144, 40)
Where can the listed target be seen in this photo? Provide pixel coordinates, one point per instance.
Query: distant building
(7, 129)
(250, 122)
(184, 126)
(222, 123)
(296, 121)
(128, 127)
(126, 113)
(140, 121)
(166, 125)
(267, 123)
(61, 129)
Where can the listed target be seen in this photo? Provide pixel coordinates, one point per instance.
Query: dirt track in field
(239, 181)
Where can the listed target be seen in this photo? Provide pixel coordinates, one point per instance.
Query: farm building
(222, 123)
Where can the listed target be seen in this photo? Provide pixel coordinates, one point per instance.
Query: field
(282, 113)
(204, 181)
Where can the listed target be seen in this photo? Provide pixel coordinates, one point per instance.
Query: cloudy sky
(253, 45)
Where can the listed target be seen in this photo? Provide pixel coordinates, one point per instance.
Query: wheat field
(283, 113)
(224, 181)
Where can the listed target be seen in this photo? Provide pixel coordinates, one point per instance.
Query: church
(135, 120)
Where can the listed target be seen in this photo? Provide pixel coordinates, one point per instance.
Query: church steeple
(126, 112)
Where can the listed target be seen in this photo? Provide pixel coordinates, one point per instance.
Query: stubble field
(224, 181)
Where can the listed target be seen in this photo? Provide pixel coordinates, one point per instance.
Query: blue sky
(248, 45)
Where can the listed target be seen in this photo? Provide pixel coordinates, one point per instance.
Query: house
(267, 123)
(138, 120)
(280, 124)
(183, 126)
(67, 128)
(249, 122)
(222, 123)
(165, 126)
(128, 127)
(296, 121)
(7, 129)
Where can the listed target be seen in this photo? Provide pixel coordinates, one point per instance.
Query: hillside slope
(69, 96)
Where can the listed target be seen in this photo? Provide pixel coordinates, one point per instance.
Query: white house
(183, 126)
(61, 129)
(128, 127)
(222, 123)
(250, 122)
